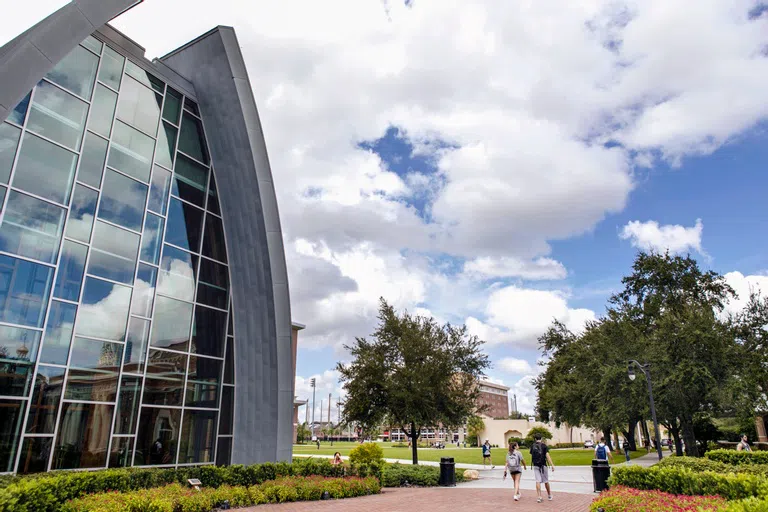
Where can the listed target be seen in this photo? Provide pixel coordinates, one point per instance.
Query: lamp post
(646, 369)
(312, 384)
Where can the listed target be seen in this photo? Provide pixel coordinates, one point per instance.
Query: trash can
(600, 473)
(447, 472)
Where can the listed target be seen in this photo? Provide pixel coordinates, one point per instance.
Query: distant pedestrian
(540, 458)
(626, 449)
(743, 445)
(318, 444)
(487, 454)
(602, 452)
(513, 466)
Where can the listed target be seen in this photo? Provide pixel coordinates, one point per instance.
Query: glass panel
(197, 437)
(229, 362)
(144, 291)
(191, 106)
(165, 378)
(128, 405)
(224, 451)
(227, 406)
(177, 274)
(213, 284)
(104, 310)
(230, 330)
(3, 190)
(203, 382)
(71, 269)
(45, 400)
(102, 110)
(121, 454)
(142, 76)
(166, 146)
(81, 213)
(58, 333)
(9, 141)
(213, 197)
(123, 200)
(191, 140)
(111, 68)
(213, 240)
(114, 252)
(35, 454)
(166, 365)
(18, 114)
(172, 107)
(18, 351)
(138, 106)
(57, 115)
(172, 322)
(83, 436)
(131, 152)
(76, 72)
(92, 160)
(158, 436)
(151, 239)
(92, 44)
(11, 417)
(45, 169)
(31, 228)
(184, 224)
(24, 289)
(136, 346)
(190, 180)
(158, 192)
(162, 391)
(208, 332)
(93, 369)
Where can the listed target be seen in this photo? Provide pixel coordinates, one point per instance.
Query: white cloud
(515, 366)
(538, 269)
(650, 236)
(744, 286)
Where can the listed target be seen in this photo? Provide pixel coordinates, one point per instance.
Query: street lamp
(312, 384)
(646, 369)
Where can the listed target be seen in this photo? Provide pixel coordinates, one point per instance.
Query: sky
(491, 163)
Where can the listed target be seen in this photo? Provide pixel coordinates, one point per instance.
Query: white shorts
(541, 474)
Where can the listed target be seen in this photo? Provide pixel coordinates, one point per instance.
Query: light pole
(646, 369)
(312, 384)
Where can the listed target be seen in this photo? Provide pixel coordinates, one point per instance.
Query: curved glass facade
(116, 340)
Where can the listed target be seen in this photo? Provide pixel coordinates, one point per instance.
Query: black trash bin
(447, 472)
(600, 473)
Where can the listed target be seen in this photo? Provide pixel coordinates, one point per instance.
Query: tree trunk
(607, 436)
(678, 445)
(691, 449)
(414, 443)
(630, 435)
(646, 433)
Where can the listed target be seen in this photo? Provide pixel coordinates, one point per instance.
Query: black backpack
(537, 455)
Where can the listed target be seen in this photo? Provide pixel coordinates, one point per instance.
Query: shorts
(541, 474)
(513, 473)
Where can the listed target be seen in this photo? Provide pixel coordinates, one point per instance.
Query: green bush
(399, 445)
(736, 458)
(568, 445)
(366, 453)
(625, 499)
(399, 475)
(519, 440)
(542, 431)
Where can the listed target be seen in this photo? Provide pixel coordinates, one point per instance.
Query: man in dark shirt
(540, 458)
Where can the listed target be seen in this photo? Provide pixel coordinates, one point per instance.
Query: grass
(565, 457)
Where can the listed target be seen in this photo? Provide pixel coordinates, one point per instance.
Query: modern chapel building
(144, 309)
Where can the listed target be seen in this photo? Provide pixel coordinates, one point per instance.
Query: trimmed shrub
(626, 499)
(399, 475)
(366, 453)
(399, 445)
(736, 458)
(568, 445)
(704, 464)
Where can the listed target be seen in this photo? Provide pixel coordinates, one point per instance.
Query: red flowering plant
(626, 499)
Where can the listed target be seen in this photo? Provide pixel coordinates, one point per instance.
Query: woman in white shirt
(515, 465)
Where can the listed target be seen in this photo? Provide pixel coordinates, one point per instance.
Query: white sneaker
(549, 498)
(517, 497)
(539, 500)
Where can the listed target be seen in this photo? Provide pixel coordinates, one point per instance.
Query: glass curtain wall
(116, 343)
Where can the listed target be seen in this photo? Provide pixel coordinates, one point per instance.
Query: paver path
(440, 500)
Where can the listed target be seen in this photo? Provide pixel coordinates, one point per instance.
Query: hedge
(704, 464)
(626, 499)
(399, 475)
(736, 458)
(178, 498)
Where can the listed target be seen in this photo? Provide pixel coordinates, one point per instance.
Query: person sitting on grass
(336, 459)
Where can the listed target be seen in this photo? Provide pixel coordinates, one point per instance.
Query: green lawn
(571, 457)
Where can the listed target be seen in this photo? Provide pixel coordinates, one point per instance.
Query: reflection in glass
(144, 291)
(166, 145)
(104, 310)
(81, 213)
(131, 152)
(229, 362)
(158, 436)
(31, 227)
(192, 140)
(9, 141)
(190, 181)
(35, 453)
(18, 114)
(213, 239)
(209, 331)
(138, 107)
(57, 115)
(93, 369)
(83, 436)
(165, 378)
(122, 200)
(71, 267)
(172, 107)
(136, 345)
(113, 253)
(203, 382)
(158, 192)
(24, 289)
(128, 405)
(111, 70)
(184, 225)
(18, 351)
(121, 454)
(11, 417)
(45, 169)
(144, 77)
(224, 451)
(213, 197)
(198, 434)
(93, 44)
(150, 241)
(172, 322)
(92, 160)
(191, 106)
(45, 400)
(58, 333)
(102, 110)
(213, 284)
(76, 72)
(227, 406)
(177, 274)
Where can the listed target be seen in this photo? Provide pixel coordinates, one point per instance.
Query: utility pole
(329, 407)
(313, 383)
(646, 369)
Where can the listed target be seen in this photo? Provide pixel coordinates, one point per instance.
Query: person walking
(540, 459)
(515, 465)
(626, 449)
(602, 451)
(743, 445)
(487, 454)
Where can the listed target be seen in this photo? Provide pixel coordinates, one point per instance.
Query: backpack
(486, 450)
(601, 454)
(537, 455)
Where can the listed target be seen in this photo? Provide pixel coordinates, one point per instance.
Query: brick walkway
(439, 500)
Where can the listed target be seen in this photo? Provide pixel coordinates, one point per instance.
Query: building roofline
(298, 326)
(194, 41)
(493, 384)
